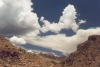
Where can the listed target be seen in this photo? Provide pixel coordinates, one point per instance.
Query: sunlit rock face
(87, 54)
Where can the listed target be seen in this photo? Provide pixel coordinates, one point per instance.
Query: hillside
(87, 54)
(11, 56)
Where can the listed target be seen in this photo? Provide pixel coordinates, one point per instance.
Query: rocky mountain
(11, 56)
(87, 54)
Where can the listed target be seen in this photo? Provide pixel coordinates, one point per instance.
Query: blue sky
(52, 10)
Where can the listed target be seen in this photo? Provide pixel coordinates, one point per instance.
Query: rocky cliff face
(87, 54)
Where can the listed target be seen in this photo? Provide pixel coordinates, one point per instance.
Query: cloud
(17, 18)
(66, 21)
(81, 22)
(61, 42)
(17, 41)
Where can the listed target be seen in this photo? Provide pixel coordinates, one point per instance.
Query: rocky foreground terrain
(87, 55)
(11, 56)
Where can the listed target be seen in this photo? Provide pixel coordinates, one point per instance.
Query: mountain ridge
(86, 55)
(12, 56)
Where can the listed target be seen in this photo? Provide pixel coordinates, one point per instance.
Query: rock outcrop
(87, 54)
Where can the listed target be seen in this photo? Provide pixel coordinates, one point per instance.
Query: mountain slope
(87, 54)
(11, 56)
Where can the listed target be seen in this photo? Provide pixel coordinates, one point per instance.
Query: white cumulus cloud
(17, 41)
(66, 21)
(17, 18)
(61, 42)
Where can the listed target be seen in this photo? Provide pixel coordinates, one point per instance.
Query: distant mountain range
(87, 55)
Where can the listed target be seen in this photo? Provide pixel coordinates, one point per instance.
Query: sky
(56, 26)
(87, 9)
